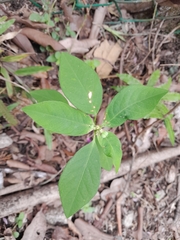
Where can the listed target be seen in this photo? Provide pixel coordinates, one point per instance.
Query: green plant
(19, 223)
(161, 110)
(47, 18)
(5, 112)
(82, 87)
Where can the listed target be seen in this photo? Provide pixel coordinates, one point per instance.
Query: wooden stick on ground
(20, 201)
(142, 161)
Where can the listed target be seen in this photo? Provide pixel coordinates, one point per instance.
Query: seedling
(81, 85)
(19, 223)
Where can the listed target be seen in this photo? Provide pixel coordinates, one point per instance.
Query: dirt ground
(141, 201)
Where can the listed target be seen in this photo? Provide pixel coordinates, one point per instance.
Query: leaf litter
(146, 213)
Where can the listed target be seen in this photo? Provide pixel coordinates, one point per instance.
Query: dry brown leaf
(80, 24)
(108, 53)
(28, 23)
(17, 164)
(23, 43)
(112, 9)
(8, 36)
(162, 132)
(32, 135)
(8, 235)
(42, 38)
(61, 233)
(24, 12)
(45, 167)
(21, 175)
(45, 153)
(90, 232)
(78, 46)
(12, 180)
(45, 83)
(37, 229)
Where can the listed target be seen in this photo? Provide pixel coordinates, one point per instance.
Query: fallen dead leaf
(107, 53)
(78, 46)
(162, 134)
(8, 235)
(90, 232)
(8, 36)
(23, 43)
(28, 23)
(17, 164)
(32, 135)
(45, 167)
(37, 229)
(62, 233)
(42, 38)
(12, 180)
(45, 153)
(79, 24)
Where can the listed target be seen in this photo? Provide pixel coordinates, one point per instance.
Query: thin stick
(140, 223)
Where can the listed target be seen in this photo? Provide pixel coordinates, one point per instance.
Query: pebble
(5, 141)
(128, 221)
(171, 175)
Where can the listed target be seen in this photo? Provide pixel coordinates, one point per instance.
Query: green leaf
(15, 58)
(9, 85)
(69, 32)
(59, 117)
(47, 95)
(159, 111)
(5, 25)
(156, 112)
(80, 84)
(55, 35)
(51, 58)
(80, 179)
(117, 34)
(128, 79)
(111, 148)
(168, 125)
(171, 97)
(93, 63)
(15, 234)
(3, 19)
(36, 17)
(19, 219)
(166, 85)
(132, 102)
(154, 78)
(105, 161)
(31, 70)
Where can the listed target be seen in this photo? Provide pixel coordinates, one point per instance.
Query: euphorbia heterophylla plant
(81, 85)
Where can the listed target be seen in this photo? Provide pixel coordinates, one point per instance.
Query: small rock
(5, 141)
(55, 215)
(171, 175)
(160, 195)
(128, 221)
